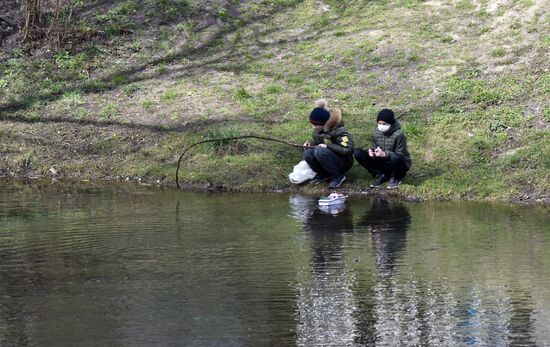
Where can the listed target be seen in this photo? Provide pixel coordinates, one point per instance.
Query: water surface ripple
(109, 267)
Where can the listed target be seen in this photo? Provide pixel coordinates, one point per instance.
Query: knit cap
(320, 115)
(386, 115)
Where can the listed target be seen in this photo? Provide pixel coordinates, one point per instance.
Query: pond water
(134, 267)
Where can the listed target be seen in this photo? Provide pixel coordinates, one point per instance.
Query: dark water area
(104, 266)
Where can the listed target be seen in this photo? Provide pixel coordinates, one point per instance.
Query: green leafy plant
(497, 125)
(109, 112)
(225, 147)
(161, 69)
(131, 88)
(498, 52)
(169, 95)
(273, 89)
(65, 60)
(135, 46)
(147, 104)
(222, 14)
(73, 98)
(94, 86)
(242, 94)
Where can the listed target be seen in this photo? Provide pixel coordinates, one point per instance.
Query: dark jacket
(392, 141)
(334, 135)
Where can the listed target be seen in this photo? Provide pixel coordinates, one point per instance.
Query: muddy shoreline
(39, 182)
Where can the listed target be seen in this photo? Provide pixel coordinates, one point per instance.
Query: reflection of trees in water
(338, 301)
(393, 312)
(521, 325)
(397, 308)
(495, 317)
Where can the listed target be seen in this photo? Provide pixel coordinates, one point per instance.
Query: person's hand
(379, 152)
(322, 145)
(371, 153)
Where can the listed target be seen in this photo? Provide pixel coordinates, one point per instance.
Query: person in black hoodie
(388, 158)
(333, 152)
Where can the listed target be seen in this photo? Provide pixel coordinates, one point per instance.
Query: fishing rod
(230, 139)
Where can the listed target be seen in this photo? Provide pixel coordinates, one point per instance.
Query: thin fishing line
(230, 139)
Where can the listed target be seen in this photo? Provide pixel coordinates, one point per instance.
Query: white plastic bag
(302, 173)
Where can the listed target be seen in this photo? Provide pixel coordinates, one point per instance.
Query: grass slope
(470, 81)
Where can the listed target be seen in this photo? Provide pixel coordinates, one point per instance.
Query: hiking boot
(337, 181)
(318, 179)
(378, 181)
(393, 183)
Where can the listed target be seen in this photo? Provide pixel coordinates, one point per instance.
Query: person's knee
(348, 165)
(359, 154)
(308, 154)
(321, 152)
(363, 158)
(396, 159)
(398, 166)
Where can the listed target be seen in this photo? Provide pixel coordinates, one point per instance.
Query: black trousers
(394, 167)
(326, 163)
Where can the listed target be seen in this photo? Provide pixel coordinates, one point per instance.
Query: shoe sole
(376, 186)
(339, 184)
(394, 187)
(319, 182)
(379, 185)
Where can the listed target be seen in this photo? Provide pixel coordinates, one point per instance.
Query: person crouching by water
(333, 152)
(388, 158)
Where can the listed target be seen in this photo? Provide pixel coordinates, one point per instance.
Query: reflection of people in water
(325, 225)
(325, 301)
(388, 223)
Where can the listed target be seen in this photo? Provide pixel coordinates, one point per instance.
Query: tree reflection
(521, 324)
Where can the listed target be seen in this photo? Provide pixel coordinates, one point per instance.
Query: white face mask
(384, 127)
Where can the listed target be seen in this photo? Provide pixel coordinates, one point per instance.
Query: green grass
(72, 99)
(132, 88)
(470, 84)
(147, 104)
(169, 95)
(109, 112)
(241, 94)
(498, 52)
